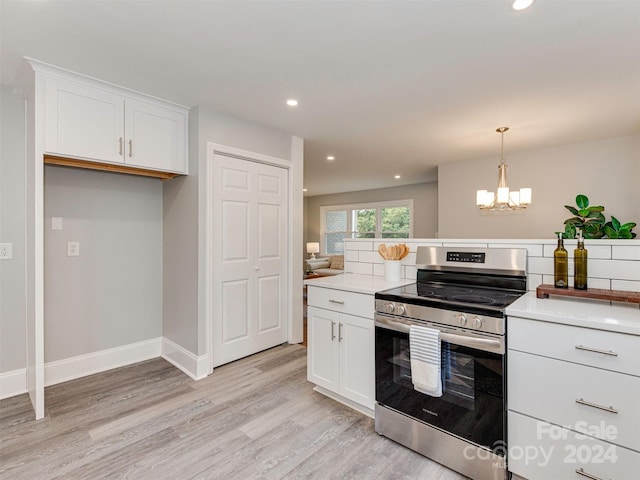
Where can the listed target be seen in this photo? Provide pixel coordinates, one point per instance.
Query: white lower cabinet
(574, 402)
(341, 350)
(539, 449)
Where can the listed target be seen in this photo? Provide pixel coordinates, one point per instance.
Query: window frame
(350, 208)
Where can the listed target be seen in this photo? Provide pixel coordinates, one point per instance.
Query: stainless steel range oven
(459, 300)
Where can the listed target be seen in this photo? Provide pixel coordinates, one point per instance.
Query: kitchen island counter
(353, 282)
(597, 314)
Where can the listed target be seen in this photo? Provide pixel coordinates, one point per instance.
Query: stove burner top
(474, 299)
(441, 295)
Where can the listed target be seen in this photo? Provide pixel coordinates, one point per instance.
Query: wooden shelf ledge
(108, 167)
(544, 290)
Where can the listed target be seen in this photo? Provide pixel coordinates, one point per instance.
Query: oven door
(472, 405)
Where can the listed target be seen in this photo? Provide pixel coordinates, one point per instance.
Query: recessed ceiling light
(331, 158)
(292, 102)
(518, 5)
(304, 189)
(397, 177)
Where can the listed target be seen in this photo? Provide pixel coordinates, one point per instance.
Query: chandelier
(503, 199)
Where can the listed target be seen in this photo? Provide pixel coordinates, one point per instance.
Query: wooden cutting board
(544, 290)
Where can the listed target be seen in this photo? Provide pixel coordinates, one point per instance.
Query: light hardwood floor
(257, 418)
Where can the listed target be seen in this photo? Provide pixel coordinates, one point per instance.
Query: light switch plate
(6, 251)
(73, 249)
(56, 223)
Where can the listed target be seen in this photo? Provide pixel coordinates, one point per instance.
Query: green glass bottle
(580, 265)
(560, 265)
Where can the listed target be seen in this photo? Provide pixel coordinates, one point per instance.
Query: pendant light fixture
(503, 199)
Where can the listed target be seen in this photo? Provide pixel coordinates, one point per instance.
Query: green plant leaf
(611, 233)
(574, 221)
(583, 212)
(582, 201)
(573, 210)
(625, 234)
(629, 226)
(595, 208)
(615, 223)
(569, 230)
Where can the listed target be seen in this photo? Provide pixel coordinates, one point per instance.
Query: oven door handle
(485, 344)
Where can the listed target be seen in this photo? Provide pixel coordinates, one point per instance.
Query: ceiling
(388, 87)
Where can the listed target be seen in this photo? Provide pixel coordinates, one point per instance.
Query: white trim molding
(13, 383)
(197, 367)
(96, 362)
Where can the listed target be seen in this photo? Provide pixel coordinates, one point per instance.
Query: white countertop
(598, 314)
(354, 282)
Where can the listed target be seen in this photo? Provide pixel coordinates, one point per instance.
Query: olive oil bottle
(580, 265)
(560, 265)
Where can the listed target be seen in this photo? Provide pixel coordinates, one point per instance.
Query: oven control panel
(466, 257)
(469, 321)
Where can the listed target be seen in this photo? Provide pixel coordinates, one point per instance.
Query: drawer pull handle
(595, 350)
(339, 332)
(609, 409)
(333, 335)
(580, 471)
(339, 302)
(130, 148)
(120, 151)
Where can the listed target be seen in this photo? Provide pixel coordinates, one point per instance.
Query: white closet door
(250, 264)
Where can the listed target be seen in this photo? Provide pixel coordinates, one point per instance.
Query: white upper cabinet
(154, 137)
(101, 123)
(83, 122)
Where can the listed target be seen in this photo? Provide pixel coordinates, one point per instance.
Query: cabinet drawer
(359, 304)
(548, 389)
(576, 344)
(541, 451)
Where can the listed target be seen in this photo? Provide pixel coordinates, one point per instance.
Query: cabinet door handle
(580, 471)
(339, 302)
(130, 148)
(339, 332)
(609, 409)
(333, 335)
(595, 350)
(120, 151)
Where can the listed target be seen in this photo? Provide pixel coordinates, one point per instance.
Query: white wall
(184, 203)
(12, 230)
(110, 295)
(607, 171)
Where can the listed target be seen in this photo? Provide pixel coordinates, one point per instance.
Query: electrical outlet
(6, 251)
(73, 249)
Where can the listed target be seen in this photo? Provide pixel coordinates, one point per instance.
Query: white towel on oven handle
(424, 345)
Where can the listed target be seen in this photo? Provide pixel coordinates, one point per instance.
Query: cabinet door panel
(83, 122)
(155, 137)
(322, 351)
(576, 344)
(357, 359)
(541, 451)
(548, 388)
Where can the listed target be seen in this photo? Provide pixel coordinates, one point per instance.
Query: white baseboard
(13, 383)
(194, 366)
(88, 364)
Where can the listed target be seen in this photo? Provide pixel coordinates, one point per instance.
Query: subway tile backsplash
(613, 264)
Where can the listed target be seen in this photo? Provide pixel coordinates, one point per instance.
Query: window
(371, 220)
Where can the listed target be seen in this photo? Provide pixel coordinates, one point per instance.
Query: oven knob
(476, 322)
(401, 310)
(390, 307)
(462, 319)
